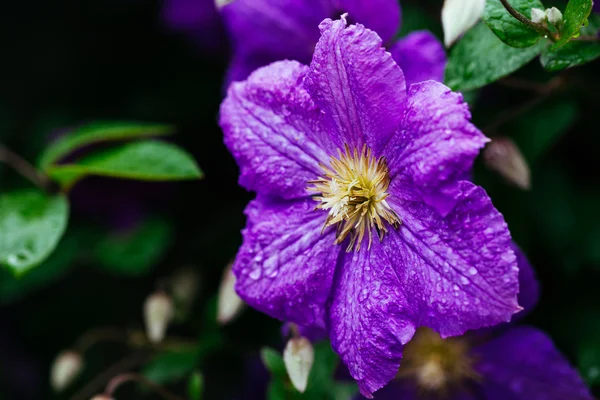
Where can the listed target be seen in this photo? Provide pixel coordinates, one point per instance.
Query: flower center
(436, 364)
(354, 190)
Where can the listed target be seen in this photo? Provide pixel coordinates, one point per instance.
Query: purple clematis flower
(362, 224)
(503, 363)
(197, 18)
(264, 31)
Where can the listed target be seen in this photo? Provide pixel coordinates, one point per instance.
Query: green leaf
(575, 52)
(171, 366)
(60, 261)
(31, 225)
(481, 58)
(99, 132)
(273, 360)
(196, 386)
(146, 161)
(134, 252)
(508, 29)
(575, 17)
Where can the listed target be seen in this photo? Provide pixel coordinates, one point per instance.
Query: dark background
(66, 62)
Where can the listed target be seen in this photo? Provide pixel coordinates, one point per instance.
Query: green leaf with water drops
(31, 225)
(575, 17)
(480, 58)
(576, 52)
(508, 29)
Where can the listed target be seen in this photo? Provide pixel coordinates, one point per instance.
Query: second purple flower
(362, 223)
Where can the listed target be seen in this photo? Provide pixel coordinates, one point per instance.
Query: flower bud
(458, 16)
(554, 15)
(158, 313)
(298, 357)
(65, 369)
(184, 286)
(229, 303)
(537, 15)
(102, 397)
(503, 156)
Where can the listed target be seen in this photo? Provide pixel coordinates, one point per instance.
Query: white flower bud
(298, 357)
(101, 397)
(65, 369)
(538, 16)
(184, 286)
(503, 156)
(158, 313)
(458, 16)
(229, 303)
(554, 15)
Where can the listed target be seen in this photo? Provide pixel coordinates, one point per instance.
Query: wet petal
(368, 322)
(435, 145)
(458, 271)
(273, 129)
(357, 84)
(523, 364)
(421, 57)
(285, 265)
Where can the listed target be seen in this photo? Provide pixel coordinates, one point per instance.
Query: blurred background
(69, 62)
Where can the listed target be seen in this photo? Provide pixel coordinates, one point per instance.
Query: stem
(130, 362)
(586, 38)
(523, 19)
(23, 167)
(117, 381)
(93, 337)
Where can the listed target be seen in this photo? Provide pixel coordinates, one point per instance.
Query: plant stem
(117, 381)
(131, 361)
(523, 19)
(23, 167)
(586, 38)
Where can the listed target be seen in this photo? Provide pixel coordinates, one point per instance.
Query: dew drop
(472, 271)
(255, 274)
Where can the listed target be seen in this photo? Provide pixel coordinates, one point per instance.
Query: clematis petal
(421, 57)
(357, 84)
(529, 288)
(369, 318)
(285, 266)
(274, 131)
(458, 271)
(381, 16)
(276, 30)
(523, 364)
(435, 145)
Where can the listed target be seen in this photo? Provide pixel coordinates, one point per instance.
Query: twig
(23, 167)
(543, 90)
(538, 87)
(541, 29)
(117, 381)
(586, 38)
(130, 362)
